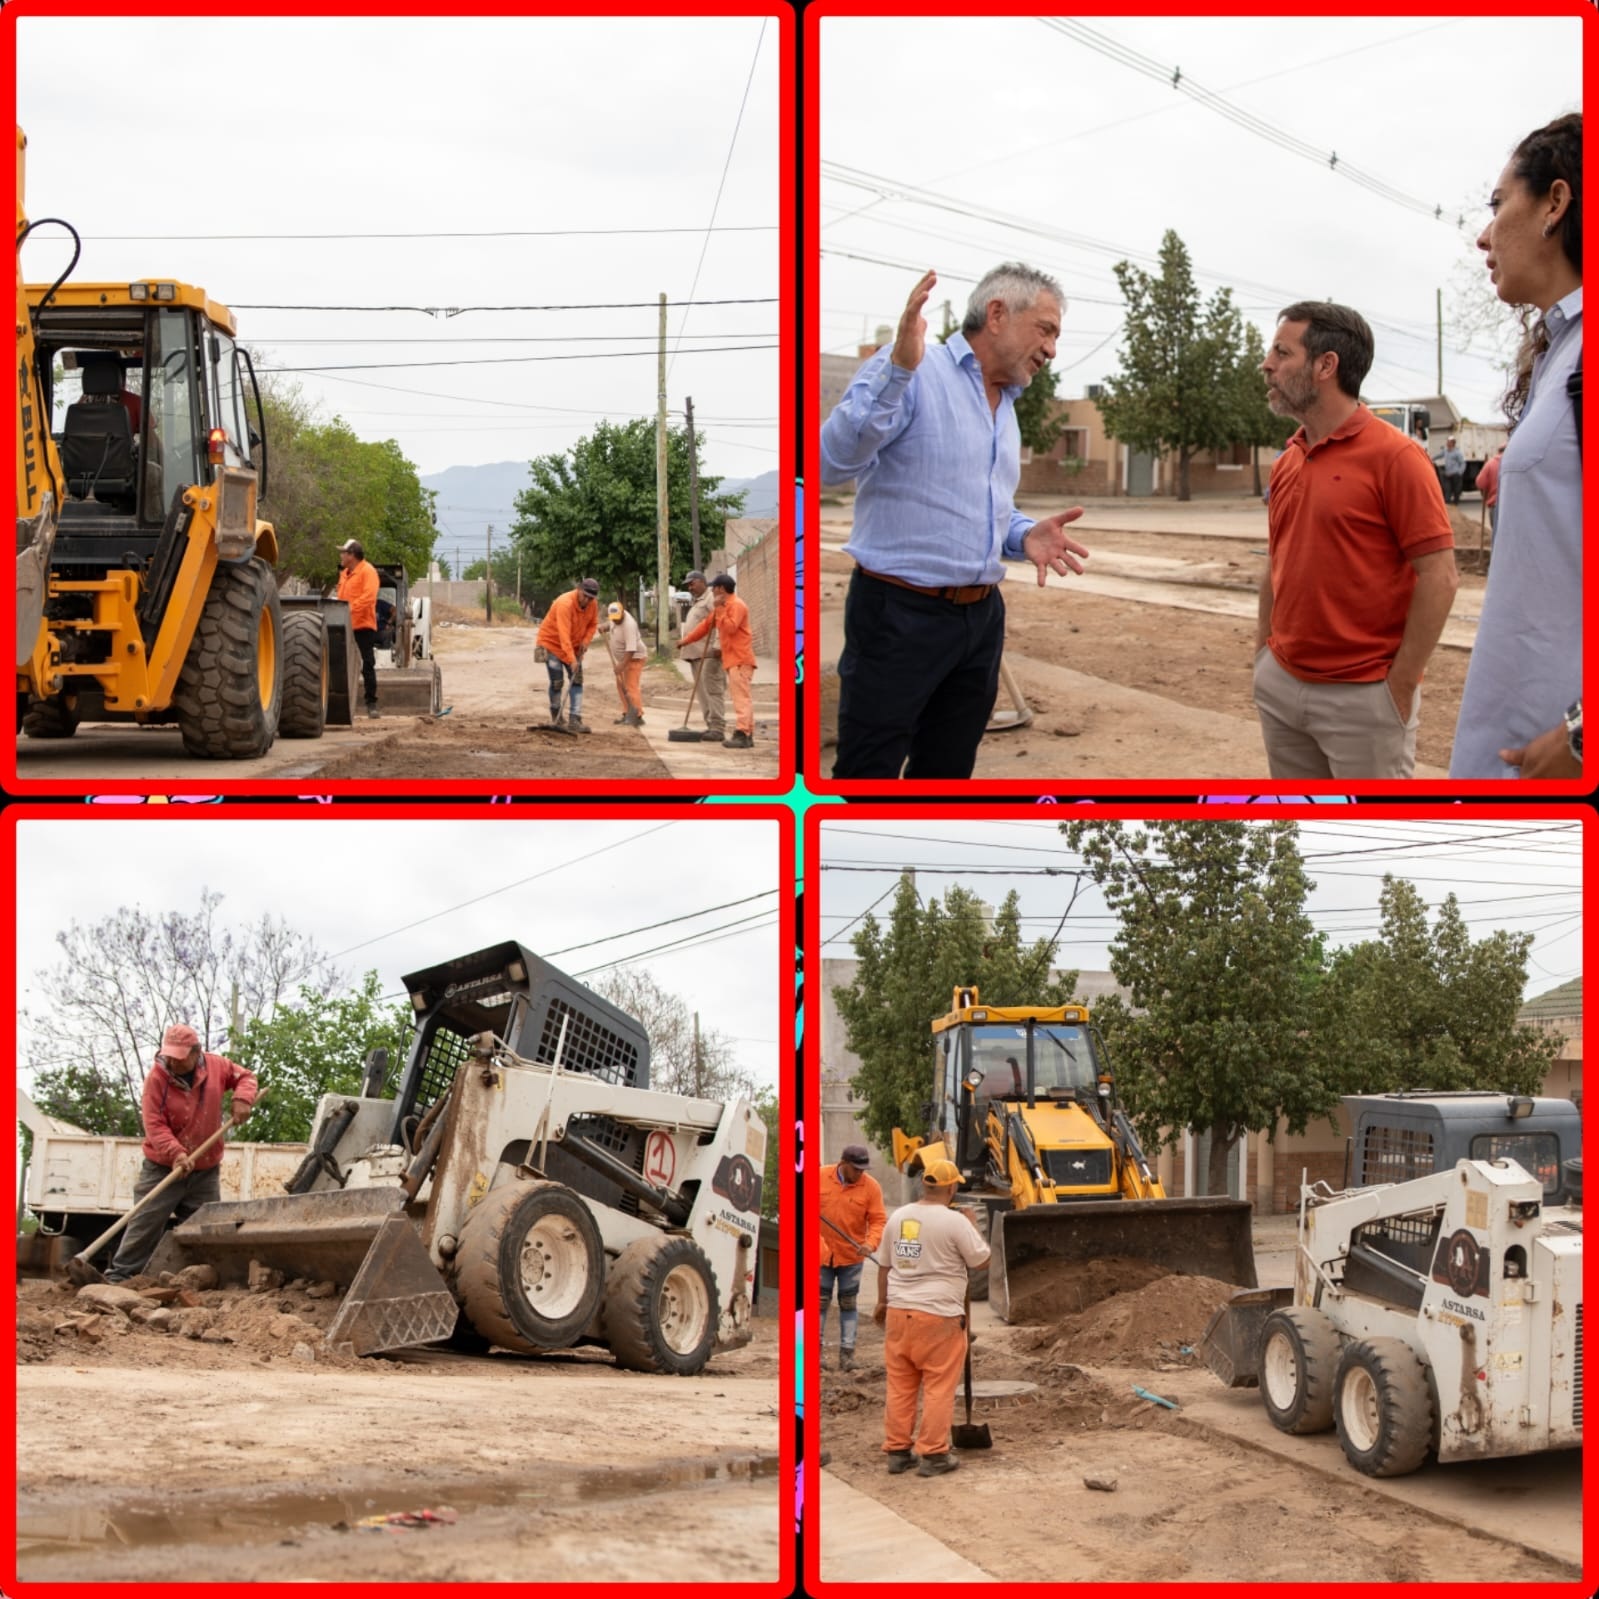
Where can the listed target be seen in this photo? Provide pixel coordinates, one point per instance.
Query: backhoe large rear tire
(231, 687)
(1298, 1360)
(305, 676)
(530, 1267)
(661, 1307)
(1383, 1407)
(52, 718)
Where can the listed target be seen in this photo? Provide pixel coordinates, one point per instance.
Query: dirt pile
(1130, 1313)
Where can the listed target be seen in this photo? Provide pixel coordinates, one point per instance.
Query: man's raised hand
(1045, 544)
(910, 342)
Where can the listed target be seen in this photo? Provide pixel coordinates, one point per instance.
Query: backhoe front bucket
(1188, 1237)
(359, 1238)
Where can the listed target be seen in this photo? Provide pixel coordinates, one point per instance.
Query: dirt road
(1208, 1492)
(493, 690)
(148, 1455)
(1142, 668)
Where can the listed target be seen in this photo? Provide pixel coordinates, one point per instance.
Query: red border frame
(815, 14)
(189, 817)
(212, 780)
(815, 819)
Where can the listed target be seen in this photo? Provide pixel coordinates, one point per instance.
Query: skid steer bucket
(411, 690)
(1191, 1237)
(358, 1238)
(1231, 1345)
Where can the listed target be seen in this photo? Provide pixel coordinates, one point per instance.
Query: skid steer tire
(231, 686)
(1298, 1361)
(531, 1268)
(1383, 1407)
(52, 718)
(305, 676)
(661, 1307)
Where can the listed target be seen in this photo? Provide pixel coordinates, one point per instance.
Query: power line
(445, 312)
(521, 360)
(498, 233)
(650, 927)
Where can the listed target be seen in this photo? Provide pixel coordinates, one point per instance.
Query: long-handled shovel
(79, 1271)
(685, 734)
(562, 724)
(970, 1436)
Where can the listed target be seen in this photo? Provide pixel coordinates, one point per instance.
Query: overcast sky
(361, 125)
(1054, 133)
(356, 886)
(1522, 877)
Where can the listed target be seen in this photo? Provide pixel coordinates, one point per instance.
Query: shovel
(970, 1436)
(685, 734)
(79, 1271)
(561, 726)
(854, 1243)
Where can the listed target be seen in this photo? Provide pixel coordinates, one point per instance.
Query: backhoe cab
(1026, 1107)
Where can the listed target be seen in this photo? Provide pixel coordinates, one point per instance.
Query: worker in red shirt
(565, 633)
(181, 1108)
(358, 583)
(1488, 486)
(730, 616)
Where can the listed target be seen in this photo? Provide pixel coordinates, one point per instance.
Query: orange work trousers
(627, 682)
(738, 689)
(922, 1354)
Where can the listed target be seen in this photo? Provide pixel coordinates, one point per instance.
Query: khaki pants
(713, 694)
(922, 1354)
(1348, 730)
(738, 688)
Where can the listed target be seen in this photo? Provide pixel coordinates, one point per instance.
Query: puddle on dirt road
(285, 1518)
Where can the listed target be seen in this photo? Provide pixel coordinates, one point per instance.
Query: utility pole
(1440, 294)
(693, 482)
(488, 576)
(663, 559)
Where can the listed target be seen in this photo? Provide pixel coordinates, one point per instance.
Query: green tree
(906, 976)
(1175, 390)
(313, 1047)
(1425, 1007)
(1221, 962)
(591, 512)
(772, 1176)
(1254, 422)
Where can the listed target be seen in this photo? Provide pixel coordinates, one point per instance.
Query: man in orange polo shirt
(1362, 563)
(731, 619)
(358, 584)
(852, 1223)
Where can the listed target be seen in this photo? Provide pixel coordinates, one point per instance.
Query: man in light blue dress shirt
(931, 438)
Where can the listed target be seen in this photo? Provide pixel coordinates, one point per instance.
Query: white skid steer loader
(524, 1189)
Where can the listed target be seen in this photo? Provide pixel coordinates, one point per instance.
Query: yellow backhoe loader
(1025, 1106)
(145, 584)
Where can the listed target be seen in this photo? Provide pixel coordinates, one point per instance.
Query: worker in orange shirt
(730, 616)
(358, 583)
(852, 1224)
(564, 634)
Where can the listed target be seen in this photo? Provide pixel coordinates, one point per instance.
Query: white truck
(1477, 441)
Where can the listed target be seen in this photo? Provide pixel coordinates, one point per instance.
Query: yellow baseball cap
(941, 1173)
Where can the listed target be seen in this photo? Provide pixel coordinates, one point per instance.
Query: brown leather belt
(970, 595)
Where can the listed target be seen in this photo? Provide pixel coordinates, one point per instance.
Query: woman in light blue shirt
(1521, 713)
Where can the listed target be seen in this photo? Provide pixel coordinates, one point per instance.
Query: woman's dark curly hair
(1552, 152)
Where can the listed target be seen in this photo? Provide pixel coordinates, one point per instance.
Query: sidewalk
(863, 1541)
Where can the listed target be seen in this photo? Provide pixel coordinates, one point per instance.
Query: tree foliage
(96, 1017)
(906, 975)
(772, 1175)
(592, 512)
(702, 1064)
(1179, 359)
(1424, 1007)
(315, 1046)
(325, 485)
(1222, 964)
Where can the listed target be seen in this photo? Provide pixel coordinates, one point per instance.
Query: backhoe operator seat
(97, 437)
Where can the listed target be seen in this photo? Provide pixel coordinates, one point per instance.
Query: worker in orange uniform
(730, 616)
(358, 583)
(565, 633)
(922, 1265)
(628, 655)
(852, 1223)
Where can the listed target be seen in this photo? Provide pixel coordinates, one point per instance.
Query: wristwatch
(1574, 730)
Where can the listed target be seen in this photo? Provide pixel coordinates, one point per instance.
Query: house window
(1074, 443)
